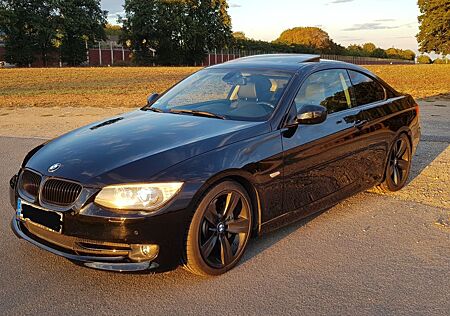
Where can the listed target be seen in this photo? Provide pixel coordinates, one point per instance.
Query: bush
(441, 61)
(423, 59)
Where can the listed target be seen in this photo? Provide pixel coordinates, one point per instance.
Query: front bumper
(104, 240)
(104, 261)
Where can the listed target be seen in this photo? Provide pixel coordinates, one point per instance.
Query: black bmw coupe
(232, 151)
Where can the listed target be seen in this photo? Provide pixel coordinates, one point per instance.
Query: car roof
(288, 62)
(282, 62)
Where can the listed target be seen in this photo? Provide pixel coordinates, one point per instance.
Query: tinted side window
(329, 88)
(366, 90)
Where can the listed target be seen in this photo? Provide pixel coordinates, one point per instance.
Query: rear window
(366, 90)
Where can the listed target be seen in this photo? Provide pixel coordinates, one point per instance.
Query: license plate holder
(47, 219)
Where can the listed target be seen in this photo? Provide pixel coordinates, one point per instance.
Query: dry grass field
(79, 87)
(128, 87)
(420, 81)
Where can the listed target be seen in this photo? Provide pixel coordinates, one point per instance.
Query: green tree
(81, 22)
(181, 31)
(239, 36)
(408, 54)
(355, 50)
(441, 61)
(219, 35)
(379, 53)
(308, 36)
(29, 29)
(424, 59)
(434, 34)
(113, 30)
(369, 48)
(140, 29)
(396, 53)
(393, 53)
(43, 28)
(250, 45)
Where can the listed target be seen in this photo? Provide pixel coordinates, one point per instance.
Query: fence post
(87, 53)
(100, 53)
(123, 54)
(112, 54)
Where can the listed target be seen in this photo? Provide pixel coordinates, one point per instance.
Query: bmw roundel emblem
(54, 167)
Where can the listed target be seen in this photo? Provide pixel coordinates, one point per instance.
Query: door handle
(360, 124)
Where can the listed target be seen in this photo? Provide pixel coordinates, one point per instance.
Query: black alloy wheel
(220, 230)
(399, 165)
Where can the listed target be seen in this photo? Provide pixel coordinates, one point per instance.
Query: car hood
(136, 146)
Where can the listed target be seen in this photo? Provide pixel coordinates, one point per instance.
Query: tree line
(180, 31)
(316, 40)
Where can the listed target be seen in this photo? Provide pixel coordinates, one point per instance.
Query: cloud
(385, 20)
(234, 5)
(115, 14)
(349, 39)
(370, 26)
(339, 1)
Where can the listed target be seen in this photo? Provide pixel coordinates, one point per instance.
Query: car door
(371, 107)
(319, 160)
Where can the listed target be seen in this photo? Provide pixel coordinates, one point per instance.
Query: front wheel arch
(193, 256)
(244, 179)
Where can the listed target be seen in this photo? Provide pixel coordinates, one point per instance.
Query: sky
(386, 23)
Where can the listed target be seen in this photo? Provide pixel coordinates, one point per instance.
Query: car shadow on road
(426, 153)
(435, 138)
(266, 241)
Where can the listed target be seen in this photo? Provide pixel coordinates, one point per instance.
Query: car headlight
(147, 197)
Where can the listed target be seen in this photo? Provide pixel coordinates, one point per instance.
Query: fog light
(143, 252)
(146, 249)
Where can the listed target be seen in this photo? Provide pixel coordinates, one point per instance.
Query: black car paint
(319, 165)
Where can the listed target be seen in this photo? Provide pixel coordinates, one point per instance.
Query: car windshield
(233, 94)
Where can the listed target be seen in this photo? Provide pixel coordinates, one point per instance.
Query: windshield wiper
(198, 113)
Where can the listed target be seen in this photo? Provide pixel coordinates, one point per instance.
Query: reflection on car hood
(136, 146)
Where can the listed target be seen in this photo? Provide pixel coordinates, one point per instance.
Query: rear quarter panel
(387, 120)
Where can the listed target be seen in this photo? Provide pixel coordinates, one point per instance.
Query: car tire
(219, 231)
(398, 166)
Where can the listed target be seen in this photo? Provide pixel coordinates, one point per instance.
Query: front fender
(256, 160)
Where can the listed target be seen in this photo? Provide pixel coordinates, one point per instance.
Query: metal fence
(110, 54)
(368, 60)
(219, 57)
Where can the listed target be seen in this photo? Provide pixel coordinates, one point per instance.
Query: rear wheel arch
(386, 184)
(405, 130)
(408, 134)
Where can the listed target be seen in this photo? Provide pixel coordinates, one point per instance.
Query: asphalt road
(370, 254)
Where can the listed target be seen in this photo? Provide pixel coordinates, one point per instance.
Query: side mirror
(312, 114)
(152, 98)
